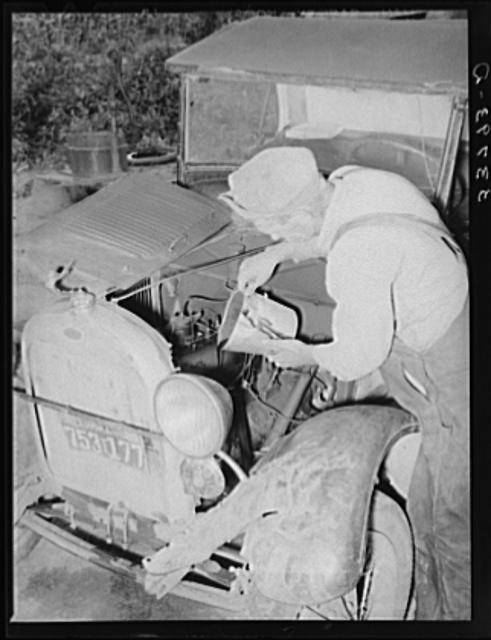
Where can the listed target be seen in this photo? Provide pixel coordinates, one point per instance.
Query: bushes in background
(64, 64)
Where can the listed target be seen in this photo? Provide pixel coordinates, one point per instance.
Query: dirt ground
(51, 584)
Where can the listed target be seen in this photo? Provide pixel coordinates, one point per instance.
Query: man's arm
(300, 250)
(360, 274)
(258, 269)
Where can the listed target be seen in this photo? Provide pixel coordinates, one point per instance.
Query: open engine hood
(122, 233)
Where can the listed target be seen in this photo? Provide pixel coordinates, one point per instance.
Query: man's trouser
(434, 386)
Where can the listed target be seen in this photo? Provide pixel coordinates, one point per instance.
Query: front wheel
(384, 591)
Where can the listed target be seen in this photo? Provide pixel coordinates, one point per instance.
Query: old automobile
(193, 467)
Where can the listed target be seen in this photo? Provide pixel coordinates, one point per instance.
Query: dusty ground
(50, 584)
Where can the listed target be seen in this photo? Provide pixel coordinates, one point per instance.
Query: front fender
(304, 508)
(313, 549)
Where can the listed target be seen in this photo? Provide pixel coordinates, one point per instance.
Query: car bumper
(214, 582)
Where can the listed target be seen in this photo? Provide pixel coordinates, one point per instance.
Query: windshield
(228, 120)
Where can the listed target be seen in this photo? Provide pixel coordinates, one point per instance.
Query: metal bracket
(117, 519)
(30, 489)
(69, 511)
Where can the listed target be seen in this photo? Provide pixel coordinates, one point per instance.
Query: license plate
(114, 447)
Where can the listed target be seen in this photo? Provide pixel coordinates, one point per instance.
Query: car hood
(123, 233)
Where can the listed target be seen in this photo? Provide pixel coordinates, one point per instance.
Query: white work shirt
(386, 280)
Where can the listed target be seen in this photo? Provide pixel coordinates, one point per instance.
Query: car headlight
(194, 412)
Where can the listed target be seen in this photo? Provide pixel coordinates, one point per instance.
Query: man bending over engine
(400, 285)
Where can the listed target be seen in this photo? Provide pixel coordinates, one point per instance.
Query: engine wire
(239, 472)
(244, 369)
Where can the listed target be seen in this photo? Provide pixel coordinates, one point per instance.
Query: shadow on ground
(51, 585)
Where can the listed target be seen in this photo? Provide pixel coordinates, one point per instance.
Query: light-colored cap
(275, 181)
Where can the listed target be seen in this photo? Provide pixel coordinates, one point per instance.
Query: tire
(385, 590)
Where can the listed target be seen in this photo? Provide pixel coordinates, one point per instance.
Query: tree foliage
(74, 71)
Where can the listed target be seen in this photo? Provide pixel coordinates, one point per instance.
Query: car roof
(426, 54)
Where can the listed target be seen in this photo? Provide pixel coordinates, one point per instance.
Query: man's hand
(291, 353)
(255, 271)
